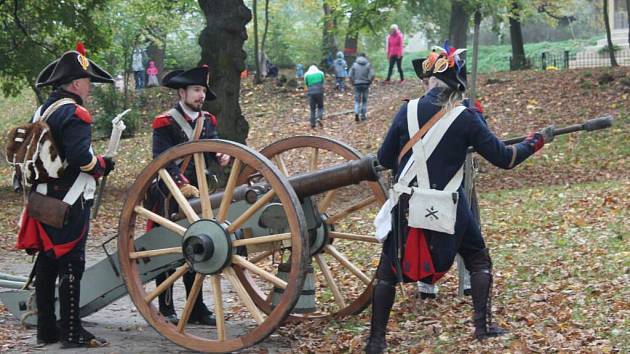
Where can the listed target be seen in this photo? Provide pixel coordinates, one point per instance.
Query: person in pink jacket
(152, 71)
(395, 46)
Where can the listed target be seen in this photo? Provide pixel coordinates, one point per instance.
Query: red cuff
(535, 140)
(478, 106)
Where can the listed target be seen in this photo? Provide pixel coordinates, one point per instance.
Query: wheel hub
(207, 246)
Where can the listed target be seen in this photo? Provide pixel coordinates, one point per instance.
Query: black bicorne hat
(71, 66)
(177, 79)
(445, 65)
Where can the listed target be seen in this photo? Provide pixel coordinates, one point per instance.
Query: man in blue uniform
(62, 250)
(186, 121)
(436, 250)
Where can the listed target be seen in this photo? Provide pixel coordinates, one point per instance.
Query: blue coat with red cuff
(70, 126)
(167, 133)
(469, 129)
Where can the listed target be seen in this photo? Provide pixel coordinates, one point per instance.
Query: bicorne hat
(445, 64)
(71, 66)
(177, 79)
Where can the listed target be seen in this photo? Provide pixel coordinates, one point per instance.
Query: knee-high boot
(382, 302)
(72, 333)
(200, 313)
(481, 293)
(165, 299)
(45, 278)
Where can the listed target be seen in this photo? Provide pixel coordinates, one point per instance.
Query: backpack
(31, 149)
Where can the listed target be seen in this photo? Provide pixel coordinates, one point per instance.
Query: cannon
(282, 242)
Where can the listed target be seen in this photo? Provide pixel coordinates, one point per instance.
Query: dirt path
(121, 324)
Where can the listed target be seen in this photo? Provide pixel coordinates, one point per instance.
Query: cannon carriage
(279, 243)
(285, 240)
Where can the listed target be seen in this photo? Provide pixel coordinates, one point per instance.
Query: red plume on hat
(81, 48)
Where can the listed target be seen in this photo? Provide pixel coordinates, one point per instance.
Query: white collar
(189, 112)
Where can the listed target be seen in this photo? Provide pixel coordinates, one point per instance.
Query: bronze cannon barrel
(309, 183)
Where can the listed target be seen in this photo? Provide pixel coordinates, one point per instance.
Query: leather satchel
(48, 210)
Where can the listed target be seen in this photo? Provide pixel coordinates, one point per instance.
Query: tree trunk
(628, 18)
(352, 38)
(611, 49)
(472, 84)
(258, 77)
(221, 44)
(458, 24)
(156, 53)
(264, 37)
(516, 37)
(329, 43)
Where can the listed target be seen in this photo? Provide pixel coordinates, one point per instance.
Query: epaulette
(83, 114)
(213, 119)
(163, 120)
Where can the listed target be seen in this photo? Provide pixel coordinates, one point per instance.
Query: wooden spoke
(346, 263)
(256, 269)
(261, 239)
(261, 256)
(328, 198)
(330, 280)
(202, 181)
(243, 295)
(229, 191)
(190, 302)
(179, 197)
(314, 159)
(360, 205)
(162, 221)
(215, 281)
(355, 237)
(166, 283)
(153, 253)
(252, 209)
(281, 165)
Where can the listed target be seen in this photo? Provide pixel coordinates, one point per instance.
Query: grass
(493, 58)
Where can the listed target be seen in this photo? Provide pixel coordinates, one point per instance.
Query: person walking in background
(299, 74)
(314, 79)
(395, 46)
(361, 76)
(299, 71)
(152, 71)
(340, 67)
(138, 68)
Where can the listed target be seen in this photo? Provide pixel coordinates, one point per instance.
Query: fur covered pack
(32, 152)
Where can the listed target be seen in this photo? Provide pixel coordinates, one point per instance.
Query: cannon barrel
(309, 183)
(590, 125)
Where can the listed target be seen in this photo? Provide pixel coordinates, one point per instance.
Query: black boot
(72, 333)
(382, 302)
(480, 267)
(165, 300)
(45, 278)
(200, 313)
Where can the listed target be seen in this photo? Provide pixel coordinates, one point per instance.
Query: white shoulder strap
(425, 147)
(181, 121)
(51, 109)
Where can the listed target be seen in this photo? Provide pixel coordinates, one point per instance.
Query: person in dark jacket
(437, 250)
(171, 128)
(62, 252)
(361, 76)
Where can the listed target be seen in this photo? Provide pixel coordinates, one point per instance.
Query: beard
(194, 105)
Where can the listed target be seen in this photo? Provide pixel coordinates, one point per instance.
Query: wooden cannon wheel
(240, 323)
(344, 266)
